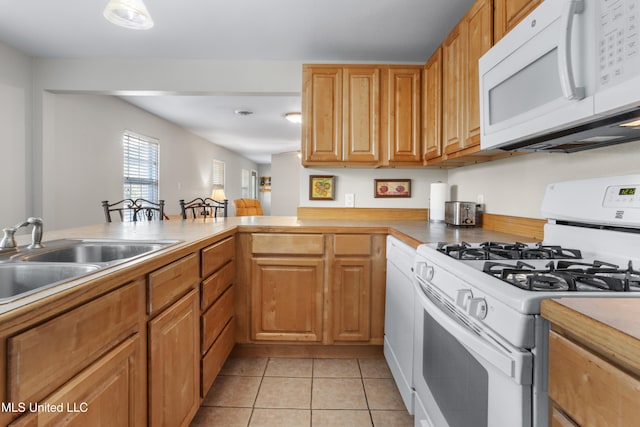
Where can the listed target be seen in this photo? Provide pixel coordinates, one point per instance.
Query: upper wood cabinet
(401, 99)
(508, 13)
(432, 107)
(453, 66)
(479, 25)
(361, 115)
(322, 114)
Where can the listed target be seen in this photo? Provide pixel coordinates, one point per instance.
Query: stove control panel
(622, 196)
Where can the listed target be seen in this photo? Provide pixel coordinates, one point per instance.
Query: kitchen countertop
(195, 234)
(609, 326)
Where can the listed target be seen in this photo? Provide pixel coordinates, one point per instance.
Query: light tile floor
(264, 392)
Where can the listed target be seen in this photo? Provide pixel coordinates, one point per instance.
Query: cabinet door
(361, 117)
(432, 107)
(103, 394)
(351, 299)
(322, 112)
(453, 49)
(401, 110)
(508, 13)
(479, 28)
(174, 363)
(286, 299)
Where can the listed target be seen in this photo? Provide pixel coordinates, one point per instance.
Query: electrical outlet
(349, 200)
(480, 199)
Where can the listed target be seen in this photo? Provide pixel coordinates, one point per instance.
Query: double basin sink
(27, 271)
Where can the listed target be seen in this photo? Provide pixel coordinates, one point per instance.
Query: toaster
(460, 213)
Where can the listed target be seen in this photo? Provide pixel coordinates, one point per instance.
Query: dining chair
(134, 210)
(204, 207)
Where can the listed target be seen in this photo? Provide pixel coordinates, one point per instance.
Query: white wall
(82, 159)
(361, 183)
(15, 120)
(515, 186)
(284, 184)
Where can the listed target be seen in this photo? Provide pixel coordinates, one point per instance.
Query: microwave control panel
(618, 40)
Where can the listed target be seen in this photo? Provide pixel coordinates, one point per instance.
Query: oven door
(463, 377)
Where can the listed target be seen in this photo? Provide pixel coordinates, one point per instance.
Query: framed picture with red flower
(392, 188)
(322, 187)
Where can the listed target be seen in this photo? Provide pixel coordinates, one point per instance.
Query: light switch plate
(349, 200)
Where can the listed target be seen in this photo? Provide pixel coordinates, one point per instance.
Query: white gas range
(480, 346)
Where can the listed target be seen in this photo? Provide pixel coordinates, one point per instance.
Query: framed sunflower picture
(322, 187)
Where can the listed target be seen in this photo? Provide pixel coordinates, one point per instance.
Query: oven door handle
(510, 360)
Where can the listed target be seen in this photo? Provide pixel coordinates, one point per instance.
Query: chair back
(134, 210)
(248, 207)
(203, 207)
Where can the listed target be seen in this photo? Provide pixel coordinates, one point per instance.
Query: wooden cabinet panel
(351, 299)
(214, 285)
(169, 283)
(558, 419)
(287, 244)
(432, 107)
(71, 342)
(217, 255)
(216, 356)
(352, 244)
(106, 393)
(508, 13)
(361, 115)
(174, 363)
(589, 389)
(322, 110)
(287, 299)
(401, 111)
(479, 23)
(215, 319)
(453, 49)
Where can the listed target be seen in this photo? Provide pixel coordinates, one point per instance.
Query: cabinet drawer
(43, 358)
(214, 359)
(352, 244)
(216, 284)
(589, 389)
(172, 281)
(214, 319)
(288, 244)
(217, 255)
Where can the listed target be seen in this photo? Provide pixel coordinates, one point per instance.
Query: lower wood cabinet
(286, 298)
(103, 394)
(174, 363)
(586, 389)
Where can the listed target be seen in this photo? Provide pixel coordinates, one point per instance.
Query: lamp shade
(218, 195)
(129, 14)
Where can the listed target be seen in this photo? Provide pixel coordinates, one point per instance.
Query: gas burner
(567, 276)
(506, 251)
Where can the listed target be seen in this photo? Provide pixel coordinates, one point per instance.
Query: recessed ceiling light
(294, 117)
(243, 112)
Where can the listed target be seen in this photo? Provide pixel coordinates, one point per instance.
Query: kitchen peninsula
(143, 340)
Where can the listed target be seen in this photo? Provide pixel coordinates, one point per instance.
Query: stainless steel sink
(89, 251)
(18, 279)
(24, 271)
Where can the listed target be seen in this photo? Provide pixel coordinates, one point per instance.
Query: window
(141, 169)
(218, 175)
(250, 183)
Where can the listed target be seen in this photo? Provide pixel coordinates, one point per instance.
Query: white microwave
(566, 78)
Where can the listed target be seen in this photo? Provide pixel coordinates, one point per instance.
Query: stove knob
(478, 308)
(463, 297)
(424, 271)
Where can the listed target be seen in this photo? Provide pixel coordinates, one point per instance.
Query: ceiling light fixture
(294, 117)
(129, 14)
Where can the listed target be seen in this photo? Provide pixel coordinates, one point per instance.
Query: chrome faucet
(9, 241)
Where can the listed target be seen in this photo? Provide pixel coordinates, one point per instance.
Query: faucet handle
(8, 239)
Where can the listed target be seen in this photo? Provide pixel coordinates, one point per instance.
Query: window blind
(141, 169)
(218, 175)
